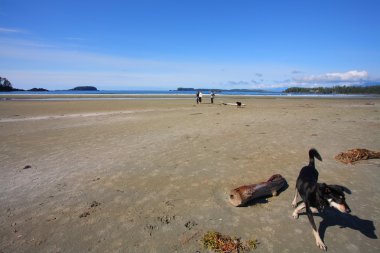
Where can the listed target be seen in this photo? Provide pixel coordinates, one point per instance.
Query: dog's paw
(295, 215)
(321, 245)
(294, 204)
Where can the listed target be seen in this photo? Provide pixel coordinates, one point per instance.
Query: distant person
(200, 97)
(212, 96)
(197, 97)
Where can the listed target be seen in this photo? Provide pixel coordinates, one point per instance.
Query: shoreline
(174, 96)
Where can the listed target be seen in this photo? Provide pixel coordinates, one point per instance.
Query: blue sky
(141, 44)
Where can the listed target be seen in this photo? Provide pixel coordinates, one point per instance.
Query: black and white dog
(315, 196)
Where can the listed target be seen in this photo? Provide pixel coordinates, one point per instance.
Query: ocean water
(173, 92)
(134, 92)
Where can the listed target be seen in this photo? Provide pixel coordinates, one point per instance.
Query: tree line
(5, 84)
(375, 89)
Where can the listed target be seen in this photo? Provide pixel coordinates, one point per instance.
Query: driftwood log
(238, 104)
(246, 193)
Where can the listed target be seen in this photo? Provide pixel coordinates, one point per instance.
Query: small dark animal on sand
(316, 196)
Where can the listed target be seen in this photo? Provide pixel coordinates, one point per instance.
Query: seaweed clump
(353, 155)
(217, 242)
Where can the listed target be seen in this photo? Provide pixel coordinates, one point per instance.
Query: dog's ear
(345, 189)
(340, 188)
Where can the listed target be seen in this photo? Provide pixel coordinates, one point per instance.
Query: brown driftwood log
(246, 193)
(357, 154)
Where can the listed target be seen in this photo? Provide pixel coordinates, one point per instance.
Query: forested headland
(374, 89)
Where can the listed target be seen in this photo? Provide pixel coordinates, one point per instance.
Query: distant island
(38, 89)
(85, 88)
(372, 89)
(6, 86)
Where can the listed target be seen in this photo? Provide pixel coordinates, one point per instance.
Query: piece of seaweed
(220, 243)
(357, 154)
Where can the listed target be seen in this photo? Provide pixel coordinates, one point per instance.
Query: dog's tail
(314, 153)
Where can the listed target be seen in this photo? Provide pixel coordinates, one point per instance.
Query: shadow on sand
(332, 217)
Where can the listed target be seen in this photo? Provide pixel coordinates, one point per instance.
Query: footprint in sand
(90, 210)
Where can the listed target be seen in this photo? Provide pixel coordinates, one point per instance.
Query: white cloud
(9, 30)
(239, 83)
(352, 77)
(349, 77)
(54, 56)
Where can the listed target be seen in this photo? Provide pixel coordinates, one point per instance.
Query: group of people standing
(200, 95)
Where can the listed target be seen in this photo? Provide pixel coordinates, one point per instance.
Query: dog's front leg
(294, 203)
(318, 239)
(298, 209)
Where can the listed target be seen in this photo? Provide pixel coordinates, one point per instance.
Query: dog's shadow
(331, 217)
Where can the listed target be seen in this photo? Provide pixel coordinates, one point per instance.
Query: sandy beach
(154, 175)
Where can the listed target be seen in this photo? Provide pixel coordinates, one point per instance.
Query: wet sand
(154, 175)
